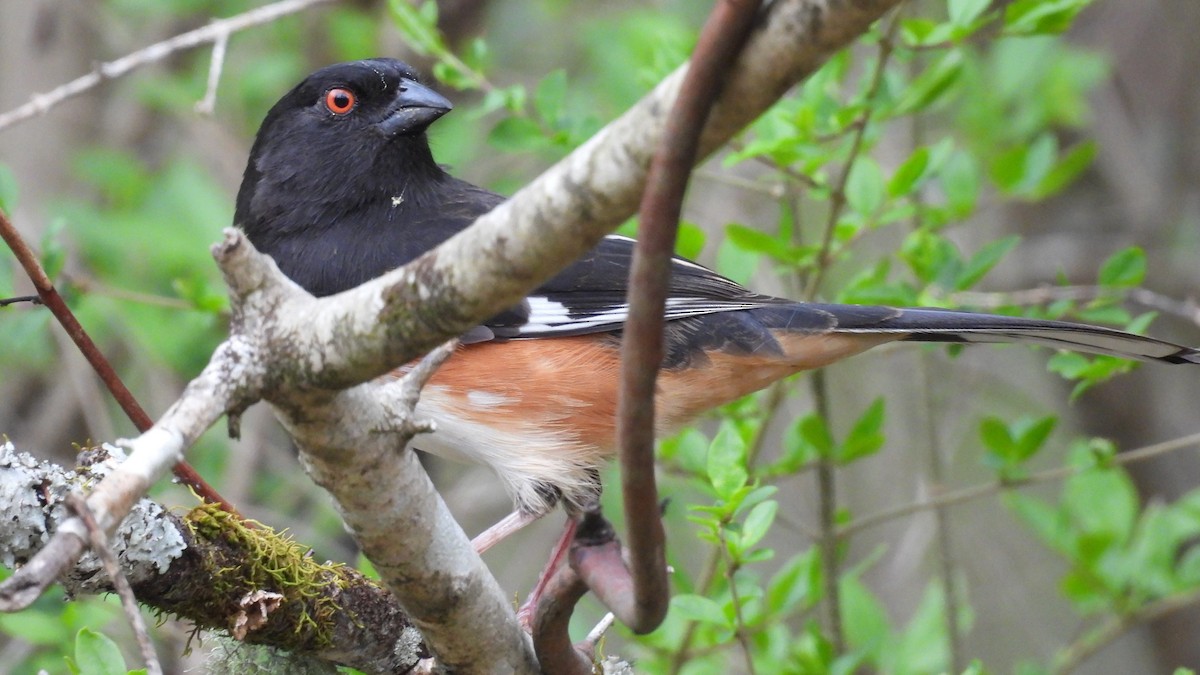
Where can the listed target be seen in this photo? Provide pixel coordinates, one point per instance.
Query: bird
(342, 186)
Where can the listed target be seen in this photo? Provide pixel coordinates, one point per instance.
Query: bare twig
(99, 544)
(831, 602)
(208, 104)
(987, 489)
(1187, 309)
(837, 195)
(551, 639)
(31, 299)
(642, 343)
(66, 318)
(221, 29)
(1087, 646)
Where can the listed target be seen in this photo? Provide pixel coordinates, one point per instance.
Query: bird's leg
(508, 525)
(528, 610)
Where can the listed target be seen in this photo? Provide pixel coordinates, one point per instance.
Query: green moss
(247, 556)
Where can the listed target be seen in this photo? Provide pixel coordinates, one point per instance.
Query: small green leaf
(865, 189)
(689, 242)
(866, 437)
(1041, 17)
(758, 522)
(418, 25)
(96, 654)
(963, 12)
(701, 609)
(984, 260)
(960, 181)
(1124, 268)
(516, 134)
(814, 430)
(550, 95)
(931, 85)
(905, 179)
(727, 461)
(1066, 169)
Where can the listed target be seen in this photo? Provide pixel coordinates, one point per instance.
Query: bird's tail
(940, 325)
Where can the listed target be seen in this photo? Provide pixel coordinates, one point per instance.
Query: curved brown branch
(642, 343)
(50, 297)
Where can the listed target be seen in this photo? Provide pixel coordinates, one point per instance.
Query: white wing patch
(551, 317)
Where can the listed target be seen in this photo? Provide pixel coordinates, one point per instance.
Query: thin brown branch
(973, 492)
(31, 299)
(1187, 308)
(721, 39)
(39, 104)
(551, 639)
(827, 513)
(1087, 646)
(108, 375)
(837, 196)
(208, 104)
(99, 544)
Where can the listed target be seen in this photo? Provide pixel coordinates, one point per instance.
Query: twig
(1087, 646)
(740, 632)
(31, 299)
(597, 632)
(99, 544)
(827, 514)
(58, 307)
(39, 104)
(945, 544)
(986, 489)
(208, 104)
(720, 40)
(1187, 309)
(551, 639)
(837, 195)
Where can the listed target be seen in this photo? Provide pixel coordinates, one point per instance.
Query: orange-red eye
(340, 101)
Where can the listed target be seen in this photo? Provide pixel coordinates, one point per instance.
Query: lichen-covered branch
(208, 567)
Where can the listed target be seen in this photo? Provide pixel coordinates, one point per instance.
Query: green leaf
(866, 437)
(550, 96)
(418, 25)
(905, 179)
(757, 523)
(1041, 17)
(1045, 521)
(1102, 501)
(689, 242)
(984, 260)
(865, 190)
(1126, 268)
(816, 433)
(932, 84)
(516, 134)
(960, 181)
(1066, 169)
(727, 461)
(963, 12)
(864, 618)
(797, 582)
(96, 654)
(701, 609)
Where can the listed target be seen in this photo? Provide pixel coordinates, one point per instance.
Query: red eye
(340, 101)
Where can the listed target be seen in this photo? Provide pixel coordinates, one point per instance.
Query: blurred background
(124, 188)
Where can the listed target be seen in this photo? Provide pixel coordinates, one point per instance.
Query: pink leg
(527, 611)
(500, 531)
